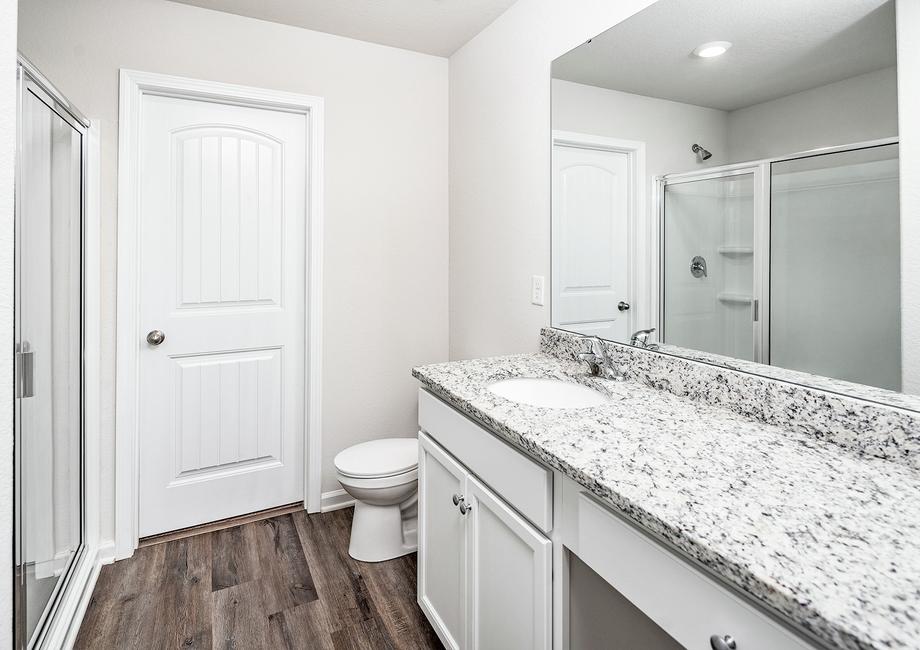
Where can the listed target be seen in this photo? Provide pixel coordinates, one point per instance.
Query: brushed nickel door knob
(155, 337)
(722, 642)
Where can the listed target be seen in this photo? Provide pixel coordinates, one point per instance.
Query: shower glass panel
(835, 266)
(48, 356)
(708, 288)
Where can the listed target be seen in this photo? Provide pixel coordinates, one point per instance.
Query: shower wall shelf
(736, 298)
(736, 250)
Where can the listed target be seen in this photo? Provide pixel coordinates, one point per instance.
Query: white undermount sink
(548, 393)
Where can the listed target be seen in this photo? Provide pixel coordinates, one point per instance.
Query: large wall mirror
(727, 174)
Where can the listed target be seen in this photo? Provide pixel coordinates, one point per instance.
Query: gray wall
(860, 108)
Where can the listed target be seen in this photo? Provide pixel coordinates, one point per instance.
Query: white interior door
(222, 201)
(590, 241)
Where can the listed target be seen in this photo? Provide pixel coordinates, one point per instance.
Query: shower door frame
(760, 294)
(79, 570)
(762, 215)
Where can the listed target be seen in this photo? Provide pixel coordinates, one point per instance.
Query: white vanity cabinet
(485, 571)
(487, 560)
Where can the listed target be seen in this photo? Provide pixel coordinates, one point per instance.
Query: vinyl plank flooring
(238, 617)
(184, 607)
(281, 583)
(234, 557)
(282, 561)
(300, 627)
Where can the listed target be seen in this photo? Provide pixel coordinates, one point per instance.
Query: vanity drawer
(523, 483)
(678, 597)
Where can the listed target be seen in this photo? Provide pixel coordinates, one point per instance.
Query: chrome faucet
(640, 339)
(599, 363)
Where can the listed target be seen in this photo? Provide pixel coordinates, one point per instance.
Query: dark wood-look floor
(284, 582)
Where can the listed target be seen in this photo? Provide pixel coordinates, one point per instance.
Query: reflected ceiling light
(711, 49)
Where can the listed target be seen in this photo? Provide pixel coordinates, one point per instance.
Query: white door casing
(597, 219)
(220, 248)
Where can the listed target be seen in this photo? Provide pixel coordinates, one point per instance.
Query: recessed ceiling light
(711, 49)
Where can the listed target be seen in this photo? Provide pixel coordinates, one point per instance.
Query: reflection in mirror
(727, 173)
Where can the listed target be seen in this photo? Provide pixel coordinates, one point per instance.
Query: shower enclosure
(49, 531)
(792, 261)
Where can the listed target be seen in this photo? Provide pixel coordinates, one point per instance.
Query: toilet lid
(379, 458)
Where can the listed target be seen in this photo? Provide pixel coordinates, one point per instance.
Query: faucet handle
(640, 337)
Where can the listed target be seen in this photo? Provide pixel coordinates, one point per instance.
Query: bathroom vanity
(651, 520)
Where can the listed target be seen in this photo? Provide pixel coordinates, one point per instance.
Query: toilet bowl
(382, 476)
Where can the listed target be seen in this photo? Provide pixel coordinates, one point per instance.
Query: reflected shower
(702, 153)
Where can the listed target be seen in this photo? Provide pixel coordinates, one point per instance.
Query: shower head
(702, 153)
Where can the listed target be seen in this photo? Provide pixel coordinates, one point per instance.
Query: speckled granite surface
(857, 423)
(823, 535)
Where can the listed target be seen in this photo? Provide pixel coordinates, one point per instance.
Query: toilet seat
(378, 459)
(374, 482)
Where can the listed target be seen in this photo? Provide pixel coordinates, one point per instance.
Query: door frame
(133, 85)
(639, 223)
(760, 293)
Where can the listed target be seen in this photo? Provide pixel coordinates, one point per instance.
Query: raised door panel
(441, 561)
(229, 204)
(510, 576)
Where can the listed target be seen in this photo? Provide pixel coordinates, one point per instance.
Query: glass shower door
(48, 370)
(835, 247)
(709, 292)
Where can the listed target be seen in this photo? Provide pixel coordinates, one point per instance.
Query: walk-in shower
(49, 532)
(802, 262)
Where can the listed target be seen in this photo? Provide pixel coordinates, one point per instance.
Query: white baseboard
(106, 553)
(336, 500)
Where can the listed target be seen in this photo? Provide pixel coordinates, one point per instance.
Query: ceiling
(780, 47)
(437, 27)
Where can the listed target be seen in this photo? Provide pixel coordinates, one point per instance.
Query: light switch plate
(537, 289)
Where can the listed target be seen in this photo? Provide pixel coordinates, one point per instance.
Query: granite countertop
(826, 538)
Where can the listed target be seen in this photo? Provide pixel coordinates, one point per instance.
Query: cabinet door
(510, 576)
(441, 543)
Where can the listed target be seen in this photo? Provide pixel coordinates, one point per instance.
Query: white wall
(860, 108)
(500, 168)
(7, 157)
(668, 128)
(908, 12)
(386, 184)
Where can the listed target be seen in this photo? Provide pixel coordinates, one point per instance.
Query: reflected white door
(590, 241)
(222, 274)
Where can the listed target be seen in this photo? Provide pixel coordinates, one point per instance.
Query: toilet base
(380, 533)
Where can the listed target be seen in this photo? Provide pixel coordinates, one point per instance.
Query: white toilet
(382, 476)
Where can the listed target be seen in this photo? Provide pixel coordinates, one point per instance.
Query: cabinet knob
(464, 507)
(457, 498)
(722, 642)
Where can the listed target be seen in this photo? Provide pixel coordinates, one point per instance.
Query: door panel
(713, 310)
(441, 564)
(222, 274)
(49, 340)
(590, 240)
(510, 574)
